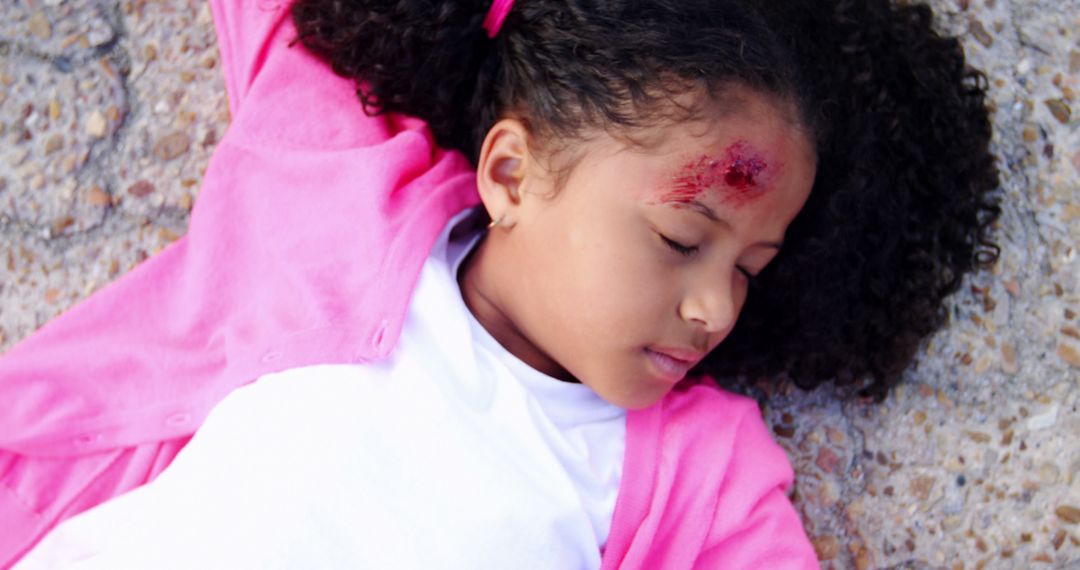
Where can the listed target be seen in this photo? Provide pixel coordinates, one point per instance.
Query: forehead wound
(737, 176)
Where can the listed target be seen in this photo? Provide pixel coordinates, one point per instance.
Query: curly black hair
(904, 197)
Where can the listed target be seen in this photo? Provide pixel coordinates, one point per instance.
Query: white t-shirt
(452, 453)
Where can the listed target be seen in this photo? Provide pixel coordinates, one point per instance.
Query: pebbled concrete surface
(109, 111)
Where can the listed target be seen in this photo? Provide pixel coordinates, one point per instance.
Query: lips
(668, 365)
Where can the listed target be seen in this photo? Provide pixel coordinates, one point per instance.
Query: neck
(481, 285)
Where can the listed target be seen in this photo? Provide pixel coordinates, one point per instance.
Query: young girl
(498, 354)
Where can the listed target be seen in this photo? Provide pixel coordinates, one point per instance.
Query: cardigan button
(178, 419)
(86, 439)
(378, 340)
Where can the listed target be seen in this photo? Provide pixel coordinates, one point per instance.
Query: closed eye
(682, 249)
(690, 250)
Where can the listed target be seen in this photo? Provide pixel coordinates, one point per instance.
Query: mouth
(669, 367)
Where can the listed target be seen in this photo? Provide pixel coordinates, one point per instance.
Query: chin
(637, 401)
(637, 394)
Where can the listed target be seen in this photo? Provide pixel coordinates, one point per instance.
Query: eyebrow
(710, 214)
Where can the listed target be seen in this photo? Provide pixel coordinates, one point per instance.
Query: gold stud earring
(495, 222)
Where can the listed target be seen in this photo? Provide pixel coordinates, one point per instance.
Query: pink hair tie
(495, 16)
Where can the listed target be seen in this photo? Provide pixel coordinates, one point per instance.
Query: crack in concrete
(103, 152)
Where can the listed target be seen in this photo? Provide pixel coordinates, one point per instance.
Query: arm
(244, 29)
(259, 284)
(37, 493)
(87, 417)
(755, 525)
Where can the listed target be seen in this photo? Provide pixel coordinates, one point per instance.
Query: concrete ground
(109, 111)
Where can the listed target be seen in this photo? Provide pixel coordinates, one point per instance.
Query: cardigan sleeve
(142, 359)
(755, 525)
(37, 493)
(244, 29)
(311, 226)
(63, 369)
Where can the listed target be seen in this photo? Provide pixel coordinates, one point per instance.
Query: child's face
(587, 285)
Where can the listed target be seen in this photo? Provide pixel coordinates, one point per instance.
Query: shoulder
(702, 395)
(702, 403)
(703, 419)
(728, 458)
(282, 96)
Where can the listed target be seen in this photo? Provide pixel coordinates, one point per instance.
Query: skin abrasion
(740, 176)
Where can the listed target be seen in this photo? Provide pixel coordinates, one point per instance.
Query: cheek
(740, 293)
(740, 290)
(619, 289)
(601, 282)
(606, 284)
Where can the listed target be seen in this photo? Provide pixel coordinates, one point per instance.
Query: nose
(710, 305)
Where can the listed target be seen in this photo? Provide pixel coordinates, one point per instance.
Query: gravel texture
(109, 112)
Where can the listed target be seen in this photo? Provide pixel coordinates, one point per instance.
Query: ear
(501, 170)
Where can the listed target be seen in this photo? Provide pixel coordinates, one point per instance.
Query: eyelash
(678, 247)
(688, 251)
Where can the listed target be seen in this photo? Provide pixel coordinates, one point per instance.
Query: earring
(495, 222)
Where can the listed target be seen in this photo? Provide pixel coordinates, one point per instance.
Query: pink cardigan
(304, 248)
